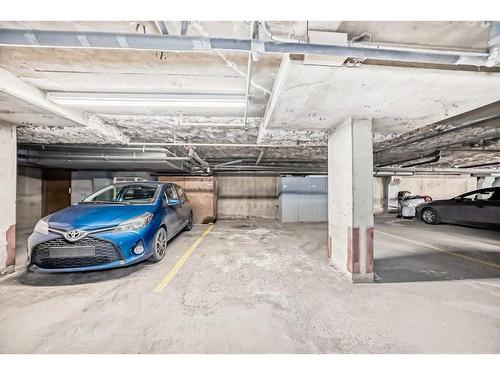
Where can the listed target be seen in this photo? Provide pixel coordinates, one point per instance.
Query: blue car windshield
(124, 194)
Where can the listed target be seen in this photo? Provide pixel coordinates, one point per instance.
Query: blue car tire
(189, 224)
(159, 245)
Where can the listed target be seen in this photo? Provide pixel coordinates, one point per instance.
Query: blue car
(119, 225)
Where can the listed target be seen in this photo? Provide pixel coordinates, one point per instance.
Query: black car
(476, 208)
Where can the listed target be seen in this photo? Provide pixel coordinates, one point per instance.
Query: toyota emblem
(73, 235)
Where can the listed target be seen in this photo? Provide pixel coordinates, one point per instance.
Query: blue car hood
(95, 216)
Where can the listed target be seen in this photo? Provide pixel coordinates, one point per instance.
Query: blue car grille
(105, 252)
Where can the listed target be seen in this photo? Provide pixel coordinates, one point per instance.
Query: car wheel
(430, 216)
(189, 224)
(159, 245)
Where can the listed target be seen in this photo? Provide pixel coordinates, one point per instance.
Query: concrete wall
(247, 196)
(202, 195)
(29, 207)
(256, 196)
(8, 166)
(29, 198)
(438, 187)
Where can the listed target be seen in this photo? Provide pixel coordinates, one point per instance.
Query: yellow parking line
(163, 284)
(442, 250)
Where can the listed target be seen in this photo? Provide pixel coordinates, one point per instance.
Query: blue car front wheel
(159, 245)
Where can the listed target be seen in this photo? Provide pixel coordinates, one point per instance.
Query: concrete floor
(256, 286)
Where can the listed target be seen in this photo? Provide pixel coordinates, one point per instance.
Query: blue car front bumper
(111, 250)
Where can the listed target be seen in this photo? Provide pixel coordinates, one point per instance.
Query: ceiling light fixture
(148, 100)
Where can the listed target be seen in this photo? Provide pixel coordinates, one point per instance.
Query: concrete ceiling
(17, 111)
(312, 99)
(399, 99)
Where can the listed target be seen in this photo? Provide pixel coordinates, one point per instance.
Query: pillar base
(363, 278)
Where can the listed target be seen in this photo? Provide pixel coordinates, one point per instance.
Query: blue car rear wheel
(189, 224)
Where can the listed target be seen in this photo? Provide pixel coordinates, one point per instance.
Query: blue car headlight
(42, 226)
(135, 223)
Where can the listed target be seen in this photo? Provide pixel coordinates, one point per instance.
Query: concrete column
(385, 200)
(8, 164)
(350, 199)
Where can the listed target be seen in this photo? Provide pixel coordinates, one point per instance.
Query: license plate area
(72, 252)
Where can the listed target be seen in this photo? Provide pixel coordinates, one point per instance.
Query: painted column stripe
(349, 249)
(356, 267)
(330, 244)
(353, 263)
(369, 250)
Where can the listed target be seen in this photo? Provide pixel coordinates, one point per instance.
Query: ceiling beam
(16, 87)
(273, 100)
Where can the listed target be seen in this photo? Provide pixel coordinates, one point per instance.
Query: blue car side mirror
(174, 202)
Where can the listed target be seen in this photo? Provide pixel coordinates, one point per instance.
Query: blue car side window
(164, 199)
(180, 193)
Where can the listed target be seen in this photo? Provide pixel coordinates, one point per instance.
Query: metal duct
(431, 170)
(103, 40)
(241, 145)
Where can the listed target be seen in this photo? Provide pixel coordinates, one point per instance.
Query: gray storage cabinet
(303, 199)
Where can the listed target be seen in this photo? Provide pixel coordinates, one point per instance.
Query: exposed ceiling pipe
(278, 38)
(261, 155)
(420, 157)
(439, 170)
(44, 147)
(195, 157)
(479, 165)
(431, 160)
(269, 168)
(271, 173)
(103, 164)
(231, 64)
(107, 157)
(249, 76)
(490, 136)
(241, 145)
(211, 124)
(26, 148)
(478, 149)
(228, 163)
(128, 41)
(184, 27)
(94, 163)
(162, 28)
(37, 155)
